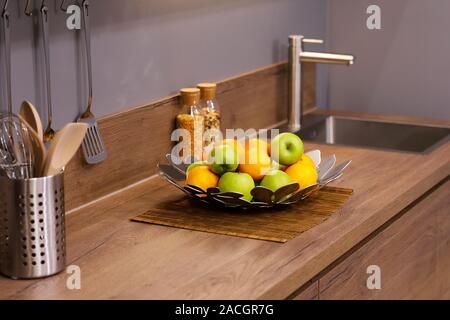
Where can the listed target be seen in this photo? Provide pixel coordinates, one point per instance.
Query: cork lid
(207, 90)
(190, 96)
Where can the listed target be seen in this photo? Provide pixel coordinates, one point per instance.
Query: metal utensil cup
(32, 227)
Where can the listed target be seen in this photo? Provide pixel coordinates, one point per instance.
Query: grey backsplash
(143, 50)
(401, 69)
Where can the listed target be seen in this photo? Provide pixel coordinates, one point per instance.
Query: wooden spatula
(63, 147)
(31, 116)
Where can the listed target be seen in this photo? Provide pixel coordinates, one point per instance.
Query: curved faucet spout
(330, 58)
(297, 55)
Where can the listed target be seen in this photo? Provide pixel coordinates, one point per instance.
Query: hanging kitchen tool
(29, 114)
(6, 149)
(28, 9)
(93, 147)
(62, 6)
(7, 55)
(49, 133)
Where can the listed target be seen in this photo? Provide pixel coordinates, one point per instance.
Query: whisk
(16, 148)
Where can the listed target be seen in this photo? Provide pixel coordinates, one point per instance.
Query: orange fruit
(307, 160)
(259, 144)
(202, 177)
(303, 173)
(257, 163)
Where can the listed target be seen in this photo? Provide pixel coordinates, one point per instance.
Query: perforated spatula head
(93, 147)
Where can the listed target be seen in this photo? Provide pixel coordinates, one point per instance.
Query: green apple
(287, 148)
(195, 165)
(276, 179)
(237, 182)
(223, 159)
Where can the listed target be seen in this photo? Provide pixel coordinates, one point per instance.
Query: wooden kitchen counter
(120, 259)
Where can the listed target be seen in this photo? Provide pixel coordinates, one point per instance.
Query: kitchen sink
(372, 133)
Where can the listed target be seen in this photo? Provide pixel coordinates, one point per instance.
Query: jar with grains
(211, 113)
(191, 120)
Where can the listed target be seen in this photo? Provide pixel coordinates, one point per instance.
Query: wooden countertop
(120, 259)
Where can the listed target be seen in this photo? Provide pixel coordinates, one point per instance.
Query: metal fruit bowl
(328, 172)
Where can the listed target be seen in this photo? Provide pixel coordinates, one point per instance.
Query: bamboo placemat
(278, 224)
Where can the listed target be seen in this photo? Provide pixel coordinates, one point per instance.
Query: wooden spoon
(63, 147)
(30, 115)
(39, 150)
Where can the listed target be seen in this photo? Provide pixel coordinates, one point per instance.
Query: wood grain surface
(279, 225)
(309, 292)
(138, 139)
(120, 259)
(412, 254)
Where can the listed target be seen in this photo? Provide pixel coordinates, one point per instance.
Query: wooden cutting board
(278, 224)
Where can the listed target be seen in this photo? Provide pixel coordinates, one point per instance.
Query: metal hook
(5, 8)
(62, 6)
(85, 2)
(28, 9)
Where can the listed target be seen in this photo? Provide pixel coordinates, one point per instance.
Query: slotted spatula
(93, 147)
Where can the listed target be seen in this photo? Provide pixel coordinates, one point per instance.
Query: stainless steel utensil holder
(32, 227)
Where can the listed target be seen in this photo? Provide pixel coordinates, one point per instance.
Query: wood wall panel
(137, 139)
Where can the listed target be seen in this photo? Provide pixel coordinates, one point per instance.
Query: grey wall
(403, 68)
(143, 50)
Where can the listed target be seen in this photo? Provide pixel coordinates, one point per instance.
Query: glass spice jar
(192, 120)
(211, 113)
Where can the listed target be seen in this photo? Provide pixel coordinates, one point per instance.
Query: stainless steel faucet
(297, 55)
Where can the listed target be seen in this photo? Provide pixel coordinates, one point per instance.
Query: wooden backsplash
(138, 139)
